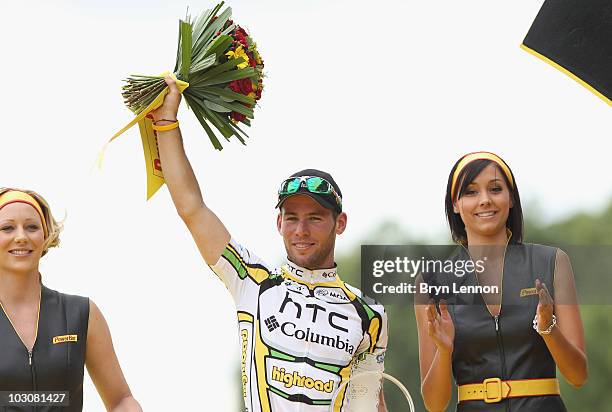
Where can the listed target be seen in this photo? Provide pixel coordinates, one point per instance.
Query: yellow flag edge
(155, 178)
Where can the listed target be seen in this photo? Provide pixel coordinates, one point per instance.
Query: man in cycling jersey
(303, 331)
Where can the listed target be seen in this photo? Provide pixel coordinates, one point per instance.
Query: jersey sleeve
(375, 337)
(240, 270)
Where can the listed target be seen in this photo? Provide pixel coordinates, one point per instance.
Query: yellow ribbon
(155, 177)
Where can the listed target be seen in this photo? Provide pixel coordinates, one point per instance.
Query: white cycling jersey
(302, 333)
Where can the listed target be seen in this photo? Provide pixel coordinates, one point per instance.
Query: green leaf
(229, 76)
(227, 93)
(229, 29)
(219, 46)
(194, 94)
(211, 31)
(214, 13)
(236, 107)
(222, 68)
(185, 49)
(202, 65)
(248, 123)
(217, 24)
(198, 111)
(201, 23)
(218, 123)
(237, 132)
(216, 107)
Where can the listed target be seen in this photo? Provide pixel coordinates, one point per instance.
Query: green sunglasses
(313, 184)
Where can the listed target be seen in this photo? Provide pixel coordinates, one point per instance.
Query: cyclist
(303, 331)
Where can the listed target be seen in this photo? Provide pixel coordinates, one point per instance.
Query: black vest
(53, 366)
(508, 348)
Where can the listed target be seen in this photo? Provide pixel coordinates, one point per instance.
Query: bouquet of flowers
(219, 72)
(221, 64)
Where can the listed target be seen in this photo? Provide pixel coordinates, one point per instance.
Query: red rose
(237, 116)
(252, 61)
(241, 36)
(234, 86)
(242, 86)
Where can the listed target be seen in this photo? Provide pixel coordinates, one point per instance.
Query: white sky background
(385, 95)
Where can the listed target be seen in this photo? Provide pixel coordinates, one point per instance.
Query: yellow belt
(494, 389)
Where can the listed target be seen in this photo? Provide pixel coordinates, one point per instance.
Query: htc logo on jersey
(333, 318)
(300, 272)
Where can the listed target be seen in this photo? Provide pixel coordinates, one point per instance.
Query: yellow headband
(469, 158)
(13, 196)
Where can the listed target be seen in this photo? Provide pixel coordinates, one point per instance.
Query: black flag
(575, 36)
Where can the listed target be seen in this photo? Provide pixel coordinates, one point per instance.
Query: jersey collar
(311, 276)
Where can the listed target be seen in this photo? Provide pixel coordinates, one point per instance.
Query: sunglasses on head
(313, 184)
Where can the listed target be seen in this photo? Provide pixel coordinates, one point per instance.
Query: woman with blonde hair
(46, 336)
(519, 321)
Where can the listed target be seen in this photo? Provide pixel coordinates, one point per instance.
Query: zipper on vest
(500, 345)
(33, 373)
(502, 353)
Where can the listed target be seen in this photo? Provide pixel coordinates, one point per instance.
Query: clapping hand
(440, 326)
(545, 306)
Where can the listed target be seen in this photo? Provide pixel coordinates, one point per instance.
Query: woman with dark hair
(48, 337)
(501, 357)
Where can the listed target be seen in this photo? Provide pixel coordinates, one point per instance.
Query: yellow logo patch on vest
(528, 292)
(65, 338)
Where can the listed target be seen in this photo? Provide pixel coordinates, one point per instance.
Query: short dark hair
(334, 212)
(467, 176)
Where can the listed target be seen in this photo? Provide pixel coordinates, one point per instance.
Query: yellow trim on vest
(567, 72)
(37, 322)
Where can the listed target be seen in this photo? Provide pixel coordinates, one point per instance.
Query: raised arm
(207, 230)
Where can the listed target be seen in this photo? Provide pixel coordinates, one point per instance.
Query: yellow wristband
(166, 127)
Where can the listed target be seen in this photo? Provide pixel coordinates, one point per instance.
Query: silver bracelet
(548, 330)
